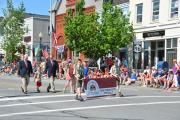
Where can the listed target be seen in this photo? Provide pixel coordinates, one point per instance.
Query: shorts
(79, 83)
(38, 84)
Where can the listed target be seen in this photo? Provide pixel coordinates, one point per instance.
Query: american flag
(54, 36)
(45, 53)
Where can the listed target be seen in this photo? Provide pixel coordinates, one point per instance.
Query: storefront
(158, 46)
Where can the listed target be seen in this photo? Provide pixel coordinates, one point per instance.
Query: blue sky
(32, 6)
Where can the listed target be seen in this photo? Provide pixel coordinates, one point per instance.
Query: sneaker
(22, 89)
(80, 98)
(76, 97)
(119, 94)
(48, 88)
(64, 91)
(53, 91)
(38, 91)
(74, 91)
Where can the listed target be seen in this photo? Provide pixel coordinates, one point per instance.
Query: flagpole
(50, 27)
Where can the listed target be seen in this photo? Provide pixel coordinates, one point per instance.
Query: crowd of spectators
(150, 77)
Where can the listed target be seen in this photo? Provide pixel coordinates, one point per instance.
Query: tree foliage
(116, 31)
(85, 34)
(12, 23)
(82, 32)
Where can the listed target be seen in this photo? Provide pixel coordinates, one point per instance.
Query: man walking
(115, 72)
(24, 71)
(79, 73)
(51, 68)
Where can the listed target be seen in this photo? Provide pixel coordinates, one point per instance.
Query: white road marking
(142, 97)
(68, 95)
(65, 101)
(34, 97)
(86, 108)
(37, 103)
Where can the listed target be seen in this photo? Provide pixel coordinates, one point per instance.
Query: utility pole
(50, 27)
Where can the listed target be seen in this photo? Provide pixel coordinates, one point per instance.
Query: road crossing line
(34, 97)
(142, 97)
(37, 103)
(65, 101)
(69, 95)
(88, 108)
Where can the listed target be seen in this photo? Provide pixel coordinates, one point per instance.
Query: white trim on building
(157, 33)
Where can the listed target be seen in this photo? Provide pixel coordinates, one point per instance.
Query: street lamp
(40, 42)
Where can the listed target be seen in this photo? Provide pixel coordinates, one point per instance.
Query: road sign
(137, 48)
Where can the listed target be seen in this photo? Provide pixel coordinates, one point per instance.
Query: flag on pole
(45, 53)
(54, 36)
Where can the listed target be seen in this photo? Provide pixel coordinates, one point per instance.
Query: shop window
(160, 44)
(160, 55)
(168, 43)
(153, 55)
(146, 44)
(171, 54)
(146, 59)
(171, 51)
(153, 45)
(174, 42)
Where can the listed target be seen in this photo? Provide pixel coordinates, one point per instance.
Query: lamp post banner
(96, 87)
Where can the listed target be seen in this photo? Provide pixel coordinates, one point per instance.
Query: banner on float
(96, 87)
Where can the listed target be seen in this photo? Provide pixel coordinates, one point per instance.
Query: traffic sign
(137, 48)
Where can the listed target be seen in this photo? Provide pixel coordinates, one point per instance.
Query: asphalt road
(138, 103)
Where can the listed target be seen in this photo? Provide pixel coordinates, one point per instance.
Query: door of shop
(157, 51)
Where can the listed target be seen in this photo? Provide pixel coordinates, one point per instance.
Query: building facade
(34, 25)
(59, 11)
(157, 25)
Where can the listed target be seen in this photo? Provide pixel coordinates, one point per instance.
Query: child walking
(37, 78)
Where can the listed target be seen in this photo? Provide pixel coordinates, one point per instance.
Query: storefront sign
(96, 87)
(154, 33)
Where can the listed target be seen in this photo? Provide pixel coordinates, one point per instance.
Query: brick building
(59, 11)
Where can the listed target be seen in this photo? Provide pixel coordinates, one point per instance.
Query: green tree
(1, 27)
(12, 23)
(81, 32)
(86, 35)
(116, 31)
